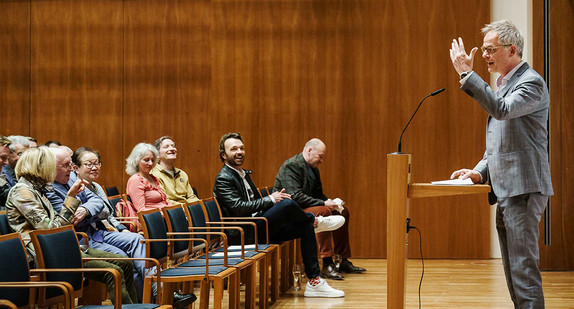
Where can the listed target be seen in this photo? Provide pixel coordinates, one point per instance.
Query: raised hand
(461, 61)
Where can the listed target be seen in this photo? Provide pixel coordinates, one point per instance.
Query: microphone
(430, 95)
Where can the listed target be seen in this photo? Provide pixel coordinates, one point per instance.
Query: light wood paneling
(77, 76)
(167, 81)
(14, 67)
(560, 254)
(109, 74)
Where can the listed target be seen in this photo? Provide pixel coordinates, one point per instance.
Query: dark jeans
(288, 221)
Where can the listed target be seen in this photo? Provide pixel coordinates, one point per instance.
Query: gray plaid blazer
(516, 158)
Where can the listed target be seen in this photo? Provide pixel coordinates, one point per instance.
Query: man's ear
(513, 50)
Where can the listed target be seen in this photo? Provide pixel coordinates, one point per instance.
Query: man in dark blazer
(300, 177)
(239, 197)
(515, 162)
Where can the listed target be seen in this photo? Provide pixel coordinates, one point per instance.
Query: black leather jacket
(229, 189)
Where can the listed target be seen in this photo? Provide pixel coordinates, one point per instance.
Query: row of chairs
(289, 255)
(200, 254)
(58, 280)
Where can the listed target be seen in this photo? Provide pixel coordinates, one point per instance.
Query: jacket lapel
(514, 79)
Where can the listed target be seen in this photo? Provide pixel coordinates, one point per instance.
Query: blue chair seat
(191, 271)
(212, 262)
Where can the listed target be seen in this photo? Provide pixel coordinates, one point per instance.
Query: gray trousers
(517, 221)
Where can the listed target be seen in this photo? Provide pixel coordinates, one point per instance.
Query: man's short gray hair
(508, 34)
(18, 140)
(132, 162)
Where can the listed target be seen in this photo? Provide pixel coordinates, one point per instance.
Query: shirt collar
(163, 170)
(502, 81)
(239, 171)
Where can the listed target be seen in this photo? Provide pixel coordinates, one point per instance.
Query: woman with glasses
(87, 163)
(143, 188)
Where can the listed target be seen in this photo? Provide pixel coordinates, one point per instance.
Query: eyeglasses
(90, 165)
(67, 165)
(492, 49)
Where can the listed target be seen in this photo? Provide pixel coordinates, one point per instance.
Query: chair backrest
(264, 191)
(59, 248)
(153, 226)
(4, 226)
(14, 268)
(212, 209)
(112, 191)
(196, 218)
(176, 221)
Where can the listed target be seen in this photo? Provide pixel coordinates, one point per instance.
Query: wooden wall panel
(77, 76)
(14, 67)
(349, 73)
(559, 255)
(110, 74)
(167, 80)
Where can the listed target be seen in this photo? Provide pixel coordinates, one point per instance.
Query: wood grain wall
(559, 255)
(109, 74)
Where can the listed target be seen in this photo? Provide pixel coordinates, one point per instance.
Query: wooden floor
(446, 284)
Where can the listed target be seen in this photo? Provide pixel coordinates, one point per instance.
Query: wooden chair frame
(78, 293)
(170, 282)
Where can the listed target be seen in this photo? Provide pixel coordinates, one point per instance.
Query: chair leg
(250, 273)
(204, 294)
(147, 291)
(275, 276)
(167, 290)
(218, 292)
(263, 275)
(233, 289)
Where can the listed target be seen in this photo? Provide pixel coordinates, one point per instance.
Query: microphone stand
(401, 138)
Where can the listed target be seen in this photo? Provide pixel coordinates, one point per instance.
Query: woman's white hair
(132, 162)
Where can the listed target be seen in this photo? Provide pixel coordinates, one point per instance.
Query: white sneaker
(322, 290)
(329, 223)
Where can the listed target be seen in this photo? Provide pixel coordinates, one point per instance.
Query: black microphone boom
(432, 94)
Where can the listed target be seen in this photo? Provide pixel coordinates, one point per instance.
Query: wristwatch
(464, 74)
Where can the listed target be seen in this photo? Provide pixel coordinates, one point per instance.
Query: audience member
(143, 188)
(52, 143)
(33, 142)
(4, 154)
(299, 175)
(18, 145)
(93, 209)
(238, 197)
(29, 209)
(172, 180)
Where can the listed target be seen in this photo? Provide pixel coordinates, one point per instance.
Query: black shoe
(330, 272)
(348, 267)
(183, 300)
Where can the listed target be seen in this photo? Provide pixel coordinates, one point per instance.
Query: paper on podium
(454, 182)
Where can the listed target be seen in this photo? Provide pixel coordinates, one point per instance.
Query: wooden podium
(400, 190)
